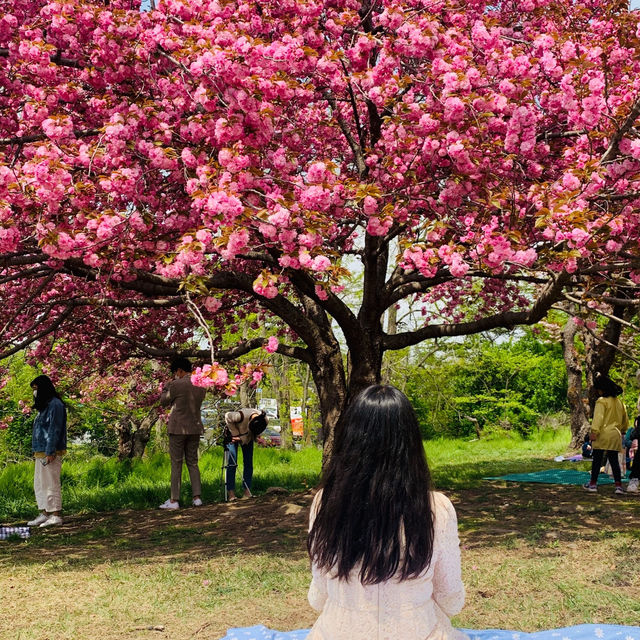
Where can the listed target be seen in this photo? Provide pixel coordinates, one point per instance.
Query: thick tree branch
(612, 151)
(36, 137)
(506, 320)
(333, 305)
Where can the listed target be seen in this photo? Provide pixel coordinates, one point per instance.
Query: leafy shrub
(15, 437)
(478, 386)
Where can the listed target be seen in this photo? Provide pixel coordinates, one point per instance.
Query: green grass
(533, 557)
(462, 464)
(96, 484)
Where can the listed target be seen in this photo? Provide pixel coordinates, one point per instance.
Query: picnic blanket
(13, 532)
(554, 476)
(580, 632)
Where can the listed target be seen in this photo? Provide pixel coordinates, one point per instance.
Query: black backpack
(258, 424)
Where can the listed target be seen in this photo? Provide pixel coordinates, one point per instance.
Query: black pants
(598, 457)
(635, 467)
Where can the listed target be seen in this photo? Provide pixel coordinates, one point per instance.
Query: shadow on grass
(503, 513)
(105, 484)
(490, 514)
(471, 474)
(268, 524)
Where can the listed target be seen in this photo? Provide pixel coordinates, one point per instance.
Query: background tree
(218, 157)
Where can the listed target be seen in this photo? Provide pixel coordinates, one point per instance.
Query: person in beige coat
(609, 422)
(184, 428)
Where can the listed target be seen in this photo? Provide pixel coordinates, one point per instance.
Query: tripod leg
(246, 487)
(225, 466)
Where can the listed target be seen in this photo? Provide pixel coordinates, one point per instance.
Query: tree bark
(329, 377)
(601, 353)
(306, 410)
(133, 436)
(579, 422)
(283, 394)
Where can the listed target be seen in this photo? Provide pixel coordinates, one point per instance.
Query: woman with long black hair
(384, 547)
(609, 422)
(49, 443)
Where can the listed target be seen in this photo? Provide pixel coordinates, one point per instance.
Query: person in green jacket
(609, 422)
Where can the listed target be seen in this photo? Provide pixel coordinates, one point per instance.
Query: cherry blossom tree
(164, 172)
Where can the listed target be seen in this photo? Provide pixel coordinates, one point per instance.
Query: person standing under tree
(610, 421)
(184, 428)
(634, 476)
(49, 444)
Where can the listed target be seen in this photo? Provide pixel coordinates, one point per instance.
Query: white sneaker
(632, 487)
(36, 522)
(167, 504)
(197, 502)
(51, 521)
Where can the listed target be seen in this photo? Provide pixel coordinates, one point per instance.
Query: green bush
(480, 386)
(503, 410)
(15, 438)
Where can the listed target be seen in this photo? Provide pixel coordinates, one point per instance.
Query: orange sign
(297, 428)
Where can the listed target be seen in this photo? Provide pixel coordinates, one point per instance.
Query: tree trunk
(329, 378)
(392, 329)
(579, 422)
(284, 405)
(306, 409)
(133, 436)
(601, 353)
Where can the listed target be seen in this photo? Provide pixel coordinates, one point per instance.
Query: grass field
(93, 484)
(534, 556)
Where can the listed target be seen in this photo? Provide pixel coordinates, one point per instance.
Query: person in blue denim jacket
(49, 444)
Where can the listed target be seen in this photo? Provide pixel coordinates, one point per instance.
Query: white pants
(46, 484)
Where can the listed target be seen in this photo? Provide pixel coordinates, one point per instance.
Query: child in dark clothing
(634, 477)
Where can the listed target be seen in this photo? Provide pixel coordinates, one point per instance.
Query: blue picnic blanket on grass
(580, 632)
(554, 476)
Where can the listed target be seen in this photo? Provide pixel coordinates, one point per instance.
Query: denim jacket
(50, 429)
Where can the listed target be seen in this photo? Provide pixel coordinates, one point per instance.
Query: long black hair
(606, 386)
(45, 392)
(375, 509)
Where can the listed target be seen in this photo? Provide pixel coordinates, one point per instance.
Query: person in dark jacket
(184, 429)
(49, 444)
(634, 476)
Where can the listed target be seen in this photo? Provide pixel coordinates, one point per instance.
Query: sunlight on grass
(96, 484)
(461, 464)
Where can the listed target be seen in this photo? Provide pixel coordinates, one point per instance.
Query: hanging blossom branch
(193, 308)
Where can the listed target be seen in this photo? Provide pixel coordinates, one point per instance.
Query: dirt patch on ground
(273, 522)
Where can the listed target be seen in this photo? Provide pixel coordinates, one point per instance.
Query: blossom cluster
(267, 140)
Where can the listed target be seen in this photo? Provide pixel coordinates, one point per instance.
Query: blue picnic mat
(580, 632)
(554, 476)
